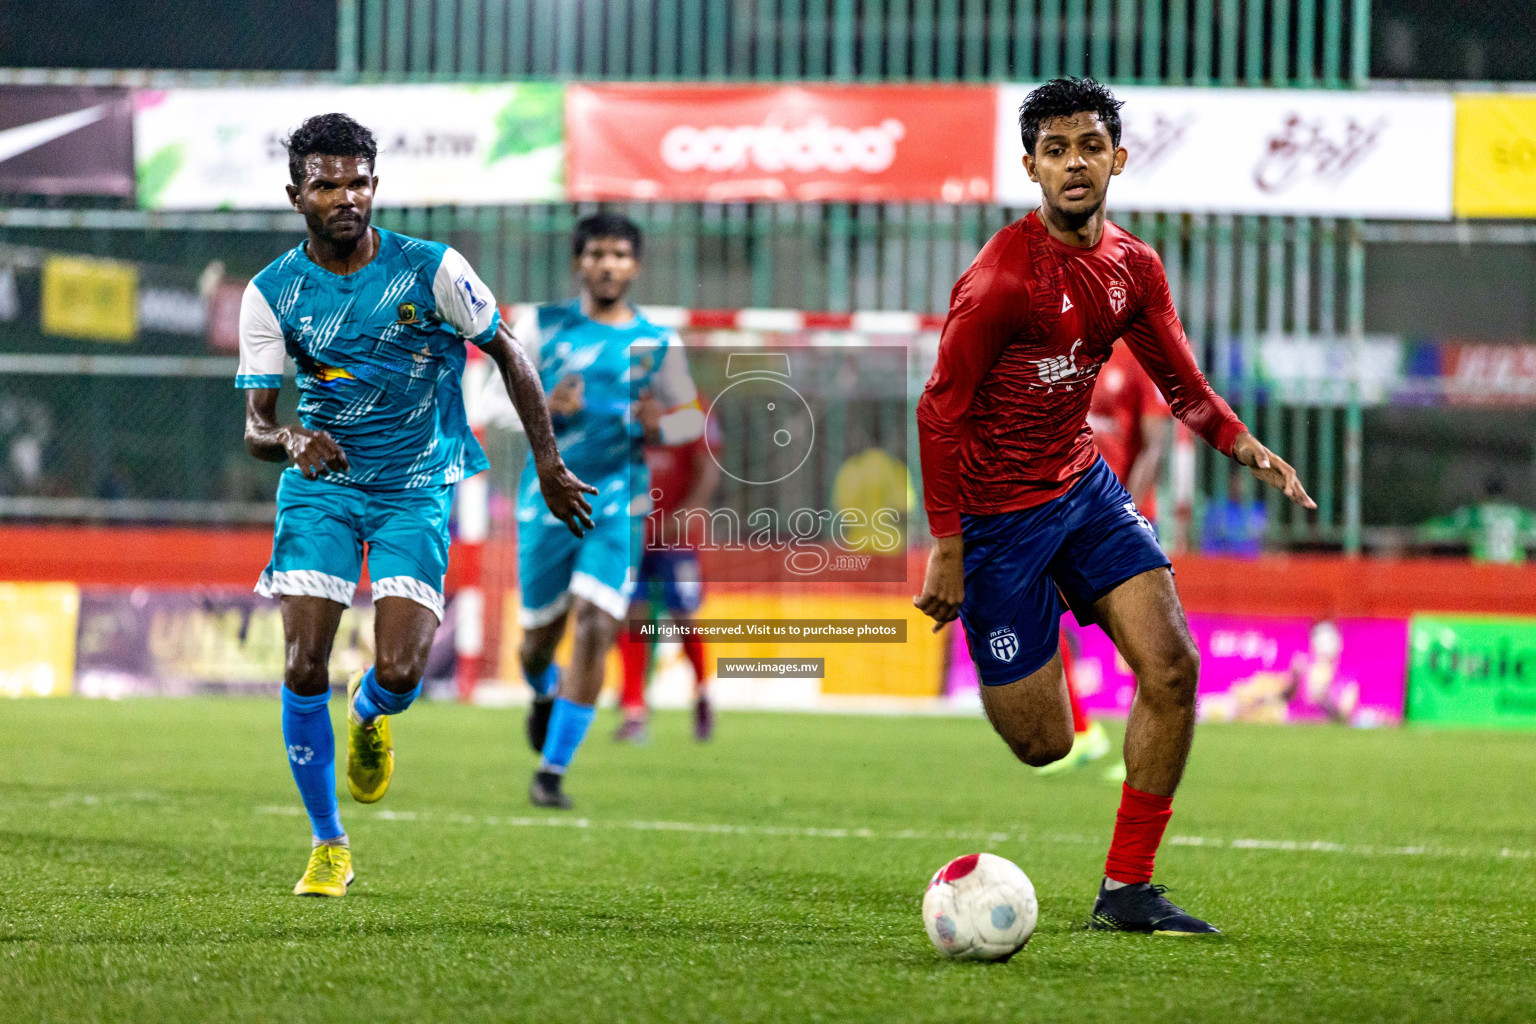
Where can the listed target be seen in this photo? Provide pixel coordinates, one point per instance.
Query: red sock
(634, 654)
(1080, 719)
(693, 650)
(1138, 830)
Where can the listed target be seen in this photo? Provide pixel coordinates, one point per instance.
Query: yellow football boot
(370, 754)
(329, 872)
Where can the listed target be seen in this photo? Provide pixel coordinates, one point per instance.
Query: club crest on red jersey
(1117, 296)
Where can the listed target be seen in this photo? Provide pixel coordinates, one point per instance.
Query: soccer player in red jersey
(683, 477)
(1026, 513)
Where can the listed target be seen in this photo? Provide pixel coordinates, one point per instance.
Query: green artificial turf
(148, 848)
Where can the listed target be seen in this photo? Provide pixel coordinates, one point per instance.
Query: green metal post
(716, 47)
(1125, 40)
(1333, 43)
(1279, 42)
(1204, 29)
(1248, 312)
(541, 17)
(514, 246)
(690, 41)
(469, 39)
(1151, 42)
(1328, 326)
(1178, 42)
(1050, 38)
(1075, 58)
(394, 41)
(922, 39)
(763, 239)
(741, 46)
(495, 41)
(518, 28)
(1196, 316)
(443, 63)
(949, 40)
(1306, 43)
(843, 24)
(667, 32)
(1353, 425)
(1228, 55)
(1274, 316)
(1099, 37)
(792, 57)
(1024, 54)
(347, 62)
(997, 41)
(872, 32)
(421, 40)
(838, 231)
(767, 26)
(592, 15)
(1360, 44)
(897, 39)
(1253, 43)
(372, 63)
(816, 17)
(1301, 327)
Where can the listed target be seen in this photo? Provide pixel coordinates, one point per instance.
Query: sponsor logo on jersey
(1117, 296)
(1004, 643)
(476, 303)
(1055, 369)
(331, 374)
(407, 313)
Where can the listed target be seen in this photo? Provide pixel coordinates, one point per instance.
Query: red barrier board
(804, 143)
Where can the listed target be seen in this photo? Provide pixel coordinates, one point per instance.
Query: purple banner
(1255, 669)
(172, 643)
(66, 140)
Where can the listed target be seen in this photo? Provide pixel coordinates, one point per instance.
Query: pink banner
(1255, 669)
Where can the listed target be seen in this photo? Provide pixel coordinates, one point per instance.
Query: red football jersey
(1123, 397)
(674, 469)
(1003, 421)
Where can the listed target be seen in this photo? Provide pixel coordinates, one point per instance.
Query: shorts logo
(1004, 643)
(1135, 513)
(407, 313)
(1117, 296)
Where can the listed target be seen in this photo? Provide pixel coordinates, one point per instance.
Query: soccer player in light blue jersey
(376, 323)
(615, 382)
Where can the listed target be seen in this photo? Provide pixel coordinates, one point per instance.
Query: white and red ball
(980, 907)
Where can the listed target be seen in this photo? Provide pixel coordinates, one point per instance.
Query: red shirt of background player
(673, 472)
(1123, 399)
(1003, 421)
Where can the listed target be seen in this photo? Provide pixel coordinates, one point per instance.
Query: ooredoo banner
(1266, 151)
(805, 143)
(202, 149)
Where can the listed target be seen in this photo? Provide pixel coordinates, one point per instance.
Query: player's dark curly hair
(605, 225)
(328, 135)
(1063, 97)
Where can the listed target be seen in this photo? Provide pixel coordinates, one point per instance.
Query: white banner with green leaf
(222, 149)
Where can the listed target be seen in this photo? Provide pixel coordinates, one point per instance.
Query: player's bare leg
(1145, 620)
(309, 628)
(1033, 715)
(574, 707)
(403, 630)
(536, 654)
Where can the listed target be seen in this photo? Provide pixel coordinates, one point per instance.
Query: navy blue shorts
(1020, 566)
(670, 578)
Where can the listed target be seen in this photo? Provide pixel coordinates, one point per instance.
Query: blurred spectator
(873, 484)
(1232, 526)
(1496, 530)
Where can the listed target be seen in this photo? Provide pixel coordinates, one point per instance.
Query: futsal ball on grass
(980, 907)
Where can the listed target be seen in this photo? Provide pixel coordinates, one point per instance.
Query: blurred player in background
(1131, 426)
(615, 382)
(683, 478)
(1025, 511)
(376, 322)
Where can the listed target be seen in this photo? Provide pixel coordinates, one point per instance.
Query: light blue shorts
(553, 564)
(317, 545)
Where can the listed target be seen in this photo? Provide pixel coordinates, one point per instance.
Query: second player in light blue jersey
(376, 324)
(615, 381)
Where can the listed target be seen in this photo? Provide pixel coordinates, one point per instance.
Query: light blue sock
(312, 756)
(373, 700)
(568, 725)
(544, 683)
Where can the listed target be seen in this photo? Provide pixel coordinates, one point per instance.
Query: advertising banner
(1480, 374)
(802, 143)
(173, 643)
(201, 149)
(66, 140)
(37, 638)
(1257, 669)
(1495, 155)
(1301, 152)
(97, 300)
(1472, 670)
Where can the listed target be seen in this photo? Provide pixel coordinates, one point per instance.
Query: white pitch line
(812, 832)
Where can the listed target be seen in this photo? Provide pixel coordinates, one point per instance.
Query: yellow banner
(93, 299)
(37, 638)
(1495, 155)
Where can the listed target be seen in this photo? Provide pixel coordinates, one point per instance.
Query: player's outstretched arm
(1265, 465)
(944, 582)
(313, 451)
(562, 489)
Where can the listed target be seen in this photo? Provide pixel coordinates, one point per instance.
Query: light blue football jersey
(379, 353)
(615, 363)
